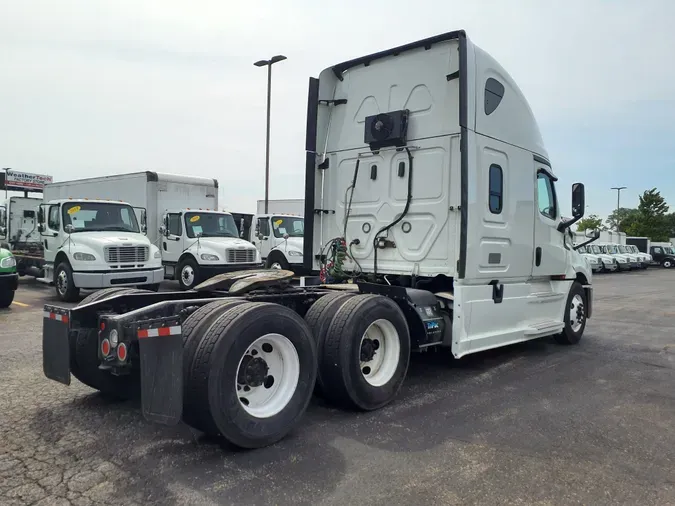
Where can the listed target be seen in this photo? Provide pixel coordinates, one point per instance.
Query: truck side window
(175, 227)
(546, 196)
(496, 190)
(264, 227)
(53, 221)
(658, 251)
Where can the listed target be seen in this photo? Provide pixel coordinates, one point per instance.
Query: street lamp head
(271, 61)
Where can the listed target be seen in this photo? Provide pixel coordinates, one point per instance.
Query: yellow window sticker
(194, 219)
(277, 223)
(74, 209)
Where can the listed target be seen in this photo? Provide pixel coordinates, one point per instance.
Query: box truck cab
(622, 261)
(596, 263)
(93, 244)
(609, 263)
(200, 243)
(663, 254)
(279, 238)
(19, 233)
(645, 259)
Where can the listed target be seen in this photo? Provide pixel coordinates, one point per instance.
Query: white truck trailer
(196, 241)
(278, 234)
(434, 223)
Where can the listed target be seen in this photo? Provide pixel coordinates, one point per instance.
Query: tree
(623, 217)
(591, 222)
(651, 219)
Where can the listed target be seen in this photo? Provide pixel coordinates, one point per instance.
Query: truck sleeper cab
(95, 244)
(431, 219)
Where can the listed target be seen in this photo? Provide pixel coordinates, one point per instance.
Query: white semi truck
(434, 222)
(278, 234)
(195, 240)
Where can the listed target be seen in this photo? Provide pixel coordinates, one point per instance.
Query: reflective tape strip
(55, 316)
(160, 332)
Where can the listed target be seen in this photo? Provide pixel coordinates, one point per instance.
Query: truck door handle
(537, 257)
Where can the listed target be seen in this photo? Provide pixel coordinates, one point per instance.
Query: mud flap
(55, 344)
(161, 354)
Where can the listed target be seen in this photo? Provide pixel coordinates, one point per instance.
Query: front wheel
(65, 286)
(277, 262)
(188, 274)
(667, 263)
(574, 316)
(6, 298)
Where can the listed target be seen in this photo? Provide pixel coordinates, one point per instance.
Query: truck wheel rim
(62, 282)
(667, 264)
(380, 352)
(267, 375)
(275, 265)
(188, 275)
(577, 314)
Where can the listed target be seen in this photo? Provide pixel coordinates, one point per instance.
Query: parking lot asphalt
(534, 423)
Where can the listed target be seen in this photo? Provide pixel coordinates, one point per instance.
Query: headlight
(83, 257)
(209, 258)
(8, 262)
(295, 253)
(158, 254)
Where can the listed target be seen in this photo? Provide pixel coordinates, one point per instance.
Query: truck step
(46, 281)
(544, 327)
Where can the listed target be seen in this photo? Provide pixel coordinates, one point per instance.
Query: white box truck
(19, 233)
(195, 240)
(278, 234)
(435, 223)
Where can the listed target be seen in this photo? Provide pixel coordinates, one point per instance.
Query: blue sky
(94, 88)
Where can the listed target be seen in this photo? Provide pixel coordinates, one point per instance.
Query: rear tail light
(122, 352)
(105, 347)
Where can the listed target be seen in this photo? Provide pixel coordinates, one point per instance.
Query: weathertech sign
(14, 180)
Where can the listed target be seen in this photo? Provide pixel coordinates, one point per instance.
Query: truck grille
(240, 256)
(126, 254)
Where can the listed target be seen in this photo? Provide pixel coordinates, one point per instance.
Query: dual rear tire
(250, 368)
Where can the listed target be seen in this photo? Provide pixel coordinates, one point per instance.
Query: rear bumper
(9, 282)
(110, 279)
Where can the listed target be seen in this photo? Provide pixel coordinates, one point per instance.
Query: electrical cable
(405, 211)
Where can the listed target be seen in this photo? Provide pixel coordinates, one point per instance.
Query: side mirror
(578, 200)
(198, 235)
(69, 229)
(3, 231)
(41, 215)
(41, 228)
(162, 230)
(286, 236)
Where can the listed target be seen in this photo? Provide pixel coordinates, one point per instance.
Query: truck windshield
(291, 225)
(100, 217)
(596, 249)
(582, 249)
(210, 225)
(611, 249)
(623, 249)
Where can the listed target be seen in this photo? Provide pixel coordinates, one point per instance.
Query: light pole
(6, 169)
(618, 203)
(268, 64)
